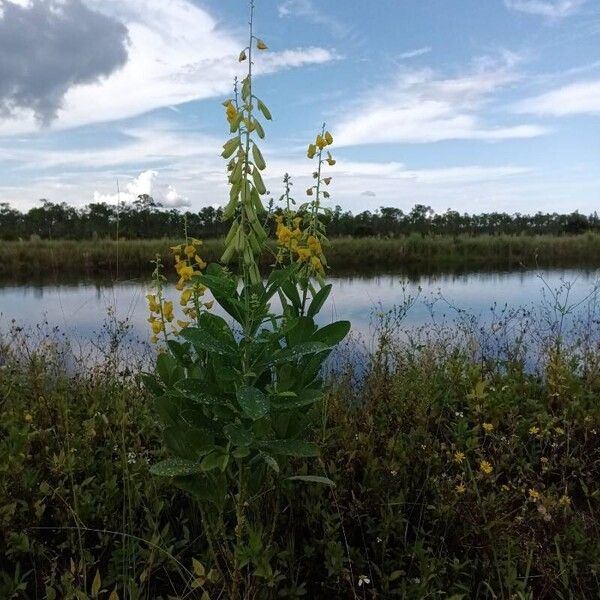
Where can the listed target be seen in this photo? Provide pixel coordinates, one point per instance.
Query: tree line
(147, 219)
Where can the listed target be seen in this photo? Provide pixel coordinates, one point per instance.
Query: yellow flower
(534, 494)
(459, 457)
(328, 137)
(231, 112)
(176, 249)
(460, 488)
(559, 430)
(314, 244)
(565, 500)
(189, 250)
(320, 142)
(488, 427)
(544, 460)
(153, 304)
(200, 262)
(185, 297)
(330, 160)
(504, 488)
(303, 254)
(183, 324)
(168, 311)
(284, 235)
(261, 45)
(312, 150)
(316, 263)
(28, 418)
(209, 304)
(534, 430)
(157, 326)
(485, 467)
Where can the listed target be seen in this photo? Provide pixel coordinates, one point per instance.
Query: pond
(80, 309)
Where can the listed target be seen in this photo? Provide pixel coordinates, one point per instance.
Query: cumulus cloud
(551, 9)
(422, 106)
(578, 98)
(49, 46)
(146, 183)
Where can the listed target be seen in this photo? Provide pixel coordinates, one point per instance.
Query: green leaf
(290, 448)
(189, 443)
(253, 402)
(264, 110)
(333, 333)
(238, 435)
(303, 398)
(204, 341)
(246, 88)
(296, 352)
(230, 146)
(214, 460)
(318, 300)
(175, 467)
(271, 462)
(167, 368)
(96, 585)
(312, 479)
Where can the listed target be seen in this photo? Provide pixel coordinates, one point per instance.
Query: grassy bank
(455, 478)
(131, 257)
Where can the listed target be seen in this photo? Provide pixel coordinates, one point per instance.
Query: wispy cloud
(422, 106)
(416, 52)
(305, 9)
(578, 98)
(551, 9)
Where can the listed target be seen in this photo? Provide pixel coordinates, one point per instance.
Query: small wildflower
(488, 427)
(534, 430)
(559, 430)
(312, 150)
(458, 457)
(544, 460)
(363, 580)
(504, 488)
(28, 418)
(534, 494)
(565, 500)
(485, 467)
(460, 488)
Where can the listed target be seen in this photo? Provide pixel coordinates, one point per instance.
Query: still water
(79, 309)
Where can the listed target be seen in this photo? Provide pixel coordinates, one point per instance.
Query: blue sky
(473, 105)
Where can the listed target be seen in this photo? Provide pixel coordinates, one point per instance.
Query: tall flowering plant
(237, 393)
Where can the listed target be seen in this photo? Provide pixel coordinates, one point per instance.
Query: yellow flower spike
(200, 262)
(168, 310)
(242, 56)
(189, 250)
(185, 297)
(208, 305)
(328, 138)
(320, 142)
(261, 45)
(485, 467)
(312, 150)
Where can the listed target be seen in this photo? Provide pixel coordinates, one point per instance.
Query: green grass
(413, 253)
(76, 497)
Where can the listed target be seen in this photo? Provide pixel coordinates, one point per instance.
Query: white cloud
(177, 53)
(146, 183)
(416, 52)
(420, 106)
(551, 9)
(306, 9)
(574, 99)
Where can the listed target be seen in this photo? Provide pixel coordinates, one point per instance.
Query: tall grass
(408, 518)
(416, 253)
